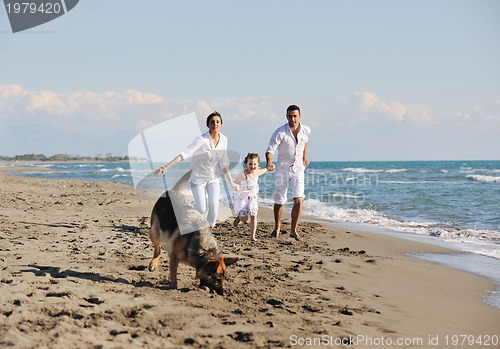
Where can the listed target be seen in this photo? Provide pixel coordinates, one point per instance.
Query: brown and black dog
(198, 249)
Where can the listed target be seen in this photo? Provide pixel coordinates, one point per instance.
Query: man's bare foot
(296, 236)
(275, 234)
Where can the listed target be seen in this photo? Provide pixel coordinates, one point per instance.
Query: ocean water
(453, 203)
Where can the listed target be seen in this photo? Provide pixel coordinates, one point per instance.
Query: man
(291, 142)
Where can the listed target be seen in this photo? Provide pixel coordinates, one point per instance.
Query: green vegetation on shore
(63, 157)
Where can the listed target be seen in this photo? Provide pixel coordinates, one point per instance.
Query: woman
(209, 156)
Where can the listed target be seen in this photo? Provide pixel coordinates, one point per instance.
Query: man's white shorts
(283, 178)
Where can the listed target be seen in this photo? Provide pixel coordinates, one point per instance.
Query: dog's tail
(183, 181)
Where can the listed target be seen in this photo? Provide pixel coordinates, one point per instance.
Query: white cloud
(10, 91)
(95, 118)
(370, 103)
(366, 100)
(137, 109)
(45, 101)
(18, 102)
(366, 106)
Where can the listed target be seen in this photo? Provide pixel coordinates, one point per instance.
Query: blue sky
(376, 80)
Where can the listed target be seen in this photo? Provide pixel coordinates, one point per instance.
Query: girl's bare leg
(253, 227)
(236, 221)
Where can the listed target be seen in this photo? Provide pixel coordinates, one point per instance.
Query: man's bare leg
(278, 214)
(296, 212)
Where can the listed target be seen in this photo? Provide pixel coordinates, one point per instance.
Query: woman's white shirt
(207, 160)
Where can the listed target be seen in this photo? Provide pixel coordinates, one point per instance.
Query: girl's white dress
(246, 201)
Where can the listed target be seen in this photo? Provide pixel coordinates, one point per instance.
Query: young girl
(246, 201)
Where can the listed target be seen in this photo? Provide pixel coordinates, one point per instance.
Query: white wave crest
(396, 170)
(360, 170)
(483, 178)
(366, 170)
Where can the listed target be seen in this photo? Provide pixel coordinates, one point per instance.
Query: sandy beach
(74, 256)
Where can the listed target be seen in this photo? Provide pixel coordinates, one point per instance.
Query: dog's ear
(230, 260)
(212, 266)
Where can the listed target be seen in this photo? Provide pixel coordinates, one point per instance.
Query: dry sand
(74, 256)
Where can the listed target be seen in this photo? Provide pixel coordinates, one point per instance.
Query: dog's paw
(152, 266)
(204, 288)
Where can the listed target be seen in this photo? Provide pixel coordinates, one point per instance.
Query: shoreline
(74, 258)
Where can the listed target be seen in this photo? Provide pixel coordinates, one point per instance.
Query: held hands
(160, 171)
(235, 186)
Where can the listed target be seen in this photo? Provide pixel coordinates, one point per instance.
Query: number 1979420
(31, 7)
(471, 340)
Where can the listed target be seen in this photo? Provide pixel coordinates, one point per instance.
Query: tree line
(64, 157)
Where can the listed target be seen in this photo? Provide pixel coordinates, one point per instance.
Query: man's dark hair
(293, 107)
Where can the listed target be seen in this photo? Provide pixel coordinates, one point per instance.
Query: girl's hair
(251, 156)
(215, 113)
